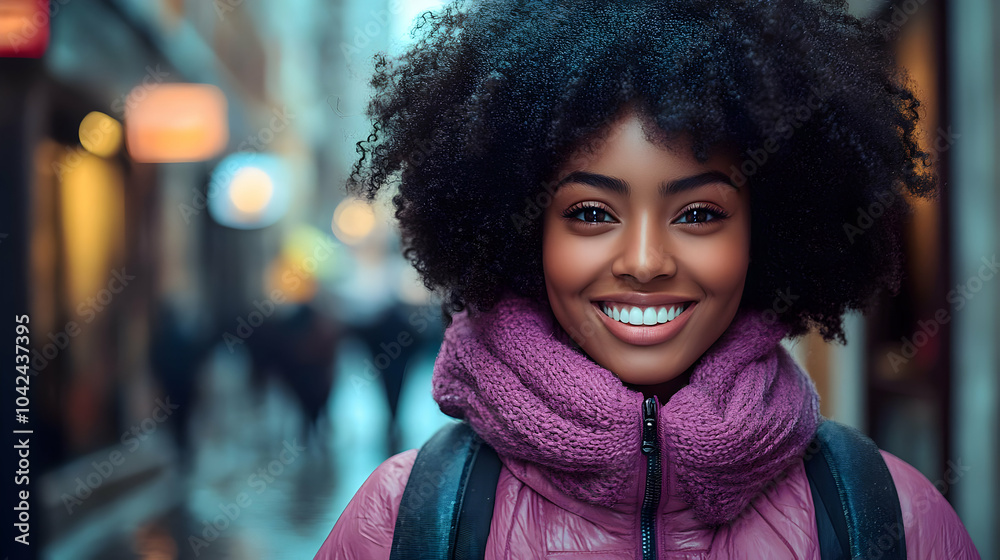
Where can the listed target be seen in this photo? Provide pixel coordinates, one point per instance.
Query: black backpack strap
(857, 508)
(447, 505)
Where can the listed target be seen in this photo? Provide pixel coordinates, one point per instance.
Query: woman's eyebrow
(695, 181)
(675, 186)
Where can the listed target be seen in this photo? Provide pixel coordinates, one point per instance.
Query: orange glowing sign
(24, 28)
(176, 122)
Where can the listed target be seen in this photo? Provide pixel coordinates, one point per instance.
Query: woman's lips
(645, 335)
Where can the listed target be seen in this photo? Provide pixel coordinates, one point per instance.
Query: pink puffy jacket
(531, 519)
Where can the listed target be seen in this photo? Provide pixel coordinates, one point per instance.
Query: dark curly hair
(473, 120)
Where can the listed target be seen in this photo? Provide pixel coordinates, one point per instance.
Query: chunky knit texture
(748, 412)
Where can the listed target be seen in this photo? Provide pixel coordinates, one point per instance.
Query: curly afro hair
(470, 124)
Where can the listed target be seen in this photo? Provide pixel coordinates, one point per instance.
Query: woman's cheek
(723, 267)
(554, 259)
(569, 261)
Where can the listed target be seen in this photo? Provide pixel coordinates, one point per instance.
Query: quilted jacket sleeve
(364, 530)
(933, 529)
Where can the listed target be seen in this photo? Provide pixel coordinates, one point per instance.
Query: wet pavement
(251, 486)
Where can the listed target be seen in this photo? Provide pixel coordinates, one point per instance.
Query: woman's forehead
(638, 126)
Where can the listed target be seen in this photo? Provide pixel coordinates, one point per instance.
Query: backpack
(447, 505)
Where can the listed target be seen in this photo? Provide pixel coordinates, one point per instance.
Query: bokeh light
(100, 134)
(24, 28)
(93, 210)
(249, 190)
(353, 220)
(167, 123)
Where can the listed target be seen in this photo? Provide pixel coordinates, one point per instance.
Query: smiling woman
(639, 227)
(619, 349)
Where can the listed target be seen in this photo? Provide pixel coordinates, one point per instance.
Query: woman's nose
(643, 252)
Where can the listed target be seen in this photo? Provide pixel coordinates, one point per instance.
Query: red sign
(24, 28)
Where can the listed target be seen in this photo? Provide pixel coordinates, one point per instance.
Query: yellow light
(302, 242)
(100, 134)
(314, 250)
(176, 122)
(353, 220)
(251, 190)
(93, 210)
(296, 284)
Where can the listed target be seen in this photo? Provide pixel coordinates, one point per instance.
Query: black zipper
(651, 499)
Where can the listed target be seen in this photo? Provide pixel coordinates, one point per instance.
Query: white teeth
(635, 316)
(648, 316)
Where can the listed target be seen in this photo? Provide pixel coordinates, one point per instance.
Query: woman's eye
(589, 214)
(701, 215)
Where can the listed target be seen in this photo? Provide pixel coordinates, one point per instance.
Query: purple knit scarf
(748, 412)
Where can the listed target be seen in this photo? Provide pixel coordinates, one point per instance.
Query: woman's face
(644, 232)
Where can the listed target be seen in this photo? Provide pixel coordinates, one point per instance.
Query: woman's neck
(663, 391)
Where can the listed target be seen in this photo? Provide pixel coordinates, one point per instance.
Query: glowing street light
(353, 220)
(176, 122)
(249, 190)
(100, 134)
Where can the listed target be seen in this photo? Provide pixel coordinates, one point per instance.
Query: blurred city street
(255, 486)
(217, 344)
